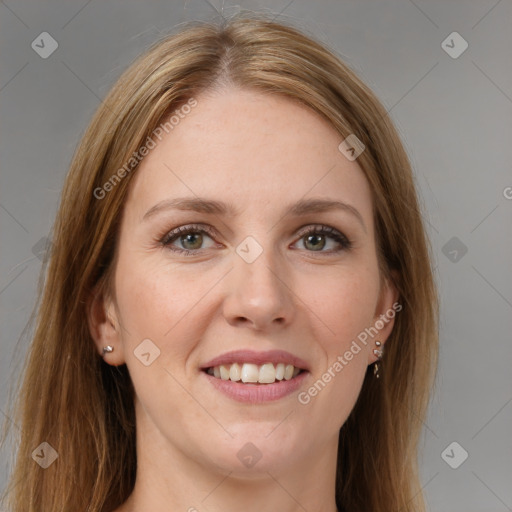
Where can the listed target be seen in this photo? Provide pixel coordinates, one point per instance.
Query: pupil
(318, 237)
(190, 238)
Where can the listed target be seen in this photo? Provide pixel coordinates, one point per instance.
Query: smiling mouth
(249, 373)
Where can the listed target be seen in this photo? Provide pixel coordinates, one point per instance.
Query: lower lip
(257, 393)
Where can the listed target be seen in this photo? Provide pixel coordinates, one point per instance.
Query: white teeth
(234, 372)
(267, 373)
(250, 373)
(224, 372)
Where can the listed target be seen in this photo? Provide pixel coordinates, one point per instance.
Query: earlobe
(102, 321)
(384, 319)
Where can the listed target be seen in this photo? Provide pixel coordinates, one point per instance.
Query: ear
(104, 327)
(388, 307)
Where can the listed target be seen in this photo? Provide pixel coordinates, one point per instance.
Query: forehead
(254, 150)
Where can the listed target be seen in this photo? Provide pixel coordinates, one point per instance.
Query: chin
(254, 452)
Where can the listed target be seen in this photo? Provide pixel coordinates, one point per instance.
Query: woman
(239, 310)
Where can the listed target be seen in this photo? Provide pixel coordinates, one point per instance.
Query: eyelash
(318, 229)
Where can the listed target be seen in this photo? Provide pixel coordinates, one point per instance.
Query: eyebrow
(210, 206)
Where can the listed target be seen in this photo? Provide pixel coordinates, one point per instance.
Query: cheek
(161, 304)
(344, 301)
(165, 304)
(341, 308)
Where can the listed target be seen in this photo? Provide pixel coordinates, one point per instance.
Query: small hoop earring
(108, 349)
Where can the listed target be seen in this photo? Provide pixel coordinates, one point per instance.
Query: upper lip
(259, 358)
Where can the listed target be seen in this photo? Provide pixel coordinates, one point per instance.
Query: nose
(260, 294)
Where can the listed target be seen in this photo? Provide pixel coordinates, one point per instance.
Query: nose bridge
(258, 265)
(259, 291)
(263, 271)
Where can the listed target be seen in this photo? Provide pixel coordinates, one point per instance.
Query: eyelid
(321, 229)
(175, 232)
(309, 228)
(324, 229)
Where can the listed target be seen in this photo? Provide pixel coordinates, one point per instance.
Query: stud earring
(108, 349)
(378, 352)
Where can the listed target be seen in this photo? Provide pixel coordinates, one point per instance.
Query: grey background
(454, 116)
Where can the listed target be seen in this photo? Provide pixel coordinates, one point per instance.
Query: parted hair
(69, 397)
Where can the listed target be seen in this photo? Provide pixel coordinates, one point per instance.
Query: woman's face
(259, 278)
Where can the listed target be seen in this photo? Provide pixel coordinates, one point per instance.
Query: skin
(261, 153)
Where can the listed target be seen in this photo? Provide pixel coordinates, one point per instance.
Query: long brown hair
(70, 398)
